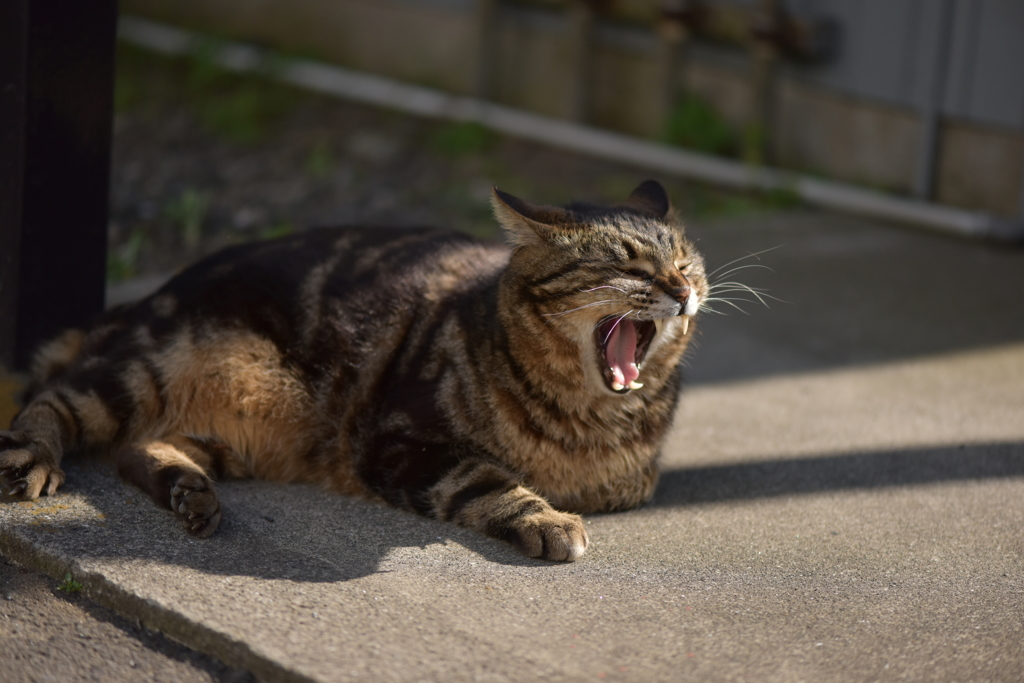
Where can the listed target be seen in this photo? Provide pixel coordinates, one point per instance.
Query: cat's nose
(680, 294)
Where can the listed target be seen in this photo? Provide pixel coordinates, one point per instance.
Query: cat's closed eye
(637, 273)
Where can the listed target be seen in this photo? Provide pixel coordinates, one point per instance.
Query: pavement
(842, 499)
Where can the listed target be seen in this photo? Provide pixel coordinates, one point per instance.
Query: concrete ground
(842, 499)
(63, 637)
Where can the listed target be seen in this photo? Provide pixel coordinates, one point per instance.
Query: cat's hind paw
(195, 503)
(26, 471)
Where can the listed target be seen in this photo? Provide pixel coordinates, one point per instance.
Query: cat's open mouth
(622, 345)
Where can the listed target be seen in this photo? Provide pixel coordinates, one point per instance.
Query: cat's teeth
(686, 323)
(616, 386)
(634, 385)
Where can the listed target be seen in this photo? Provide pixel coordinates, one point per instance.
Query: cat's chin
(622, 345)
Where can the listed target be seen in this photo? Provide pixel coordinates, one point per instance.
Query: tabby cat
(492, 387)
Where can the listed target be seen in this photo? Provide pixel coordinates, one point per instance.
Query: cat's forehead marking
(630, 239)
(654, 240)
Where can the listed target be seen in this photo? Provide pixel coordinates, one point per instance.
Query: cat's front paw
(549, 535)
(195, 503)
(27, 468)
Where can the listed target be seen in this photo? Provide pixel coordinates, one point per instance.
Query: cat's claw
(551, 535)
(26, 471)
(195, 503)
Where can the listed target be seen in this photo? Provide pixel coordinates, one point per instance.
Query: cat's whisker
(754, 290)
(748, 265)
(594, 289)
(754, 255)
(758, 294)
(578, 308)
(612, 329)
(730, 302)
(730, 290)
(730, 282)
(735, 287)
(721, 286)
(722, 298)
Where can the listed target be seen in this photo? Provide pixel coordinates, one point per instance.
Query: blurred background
(913, 96)
(920, 98)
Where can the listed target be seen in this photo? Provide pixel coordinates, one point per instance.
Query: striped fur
(476, 384)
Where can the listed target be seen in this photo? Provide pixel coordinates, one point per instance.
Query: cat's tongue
(620, 352)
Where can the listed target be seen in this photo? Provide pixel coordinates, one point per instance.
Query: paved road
(48, 635)
(842, 499)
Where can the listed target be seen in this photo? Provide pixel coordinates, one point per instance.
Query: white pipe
(414, 99)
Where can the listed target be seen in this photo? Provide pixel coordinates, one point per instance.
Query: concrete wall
(625, 88)
(430, 43)
(531, 64)
(825, 119)
(980, 168)
(846, 137)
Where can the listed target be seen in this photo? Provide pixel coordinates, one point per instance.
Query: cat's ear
(526, 223)
(651, 197)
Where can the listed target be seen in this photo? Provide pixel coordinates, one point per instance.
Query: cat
(507, 389)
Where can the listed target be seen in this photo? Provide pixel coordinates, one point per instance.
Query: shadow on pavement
(271, 531)
(868, 470)
(303, 534)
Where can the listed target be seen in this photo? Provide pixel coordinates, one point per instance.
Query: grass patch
(239, 107)
(280, 229)
(694, 124)
(754, 140)
(320, 161)
(69, 585)
(704, 202)
(122, 262)
(461, 139)
(188, 212)
(781, 198)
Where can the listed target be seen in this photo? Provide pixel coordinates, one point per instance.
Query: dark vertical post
(581, 26)
(487, 49)
(766, 32)
(673, 38)
(930, 107)
(56, 109)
